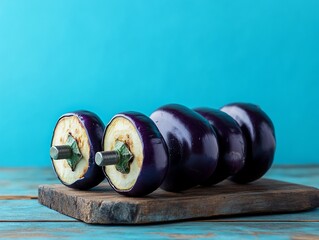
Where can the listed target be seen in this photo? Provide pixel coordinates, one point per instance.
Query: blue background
(111, 56)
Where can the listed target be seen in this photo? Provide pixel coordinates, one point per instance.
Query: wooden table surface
(21, 216)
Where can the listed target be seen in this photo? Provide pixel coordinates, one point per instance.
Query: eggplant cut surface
(71, 125)
(142, 154)
(121, 129)
(80, 132)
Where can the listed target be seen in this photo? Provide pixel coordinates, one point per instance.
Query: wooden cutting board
(102, 205)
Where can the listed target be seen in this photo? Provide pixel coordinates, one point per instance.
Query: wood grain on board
(21, 216)
(102, 205)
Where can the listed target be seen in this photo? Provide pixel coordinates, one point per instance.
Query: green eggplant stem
(76, 153)
(125, 156)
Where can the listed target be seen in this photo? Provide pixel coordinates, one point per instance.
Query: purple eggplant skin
(192, 146)
(155, 161)
(231, 142)
(94, 129)
(260, 140)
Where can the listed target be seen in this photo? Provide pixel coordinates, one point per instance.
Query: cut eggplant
(231, 142)
(134, 154)
(259, 134)
(192, 146)
(76, 138)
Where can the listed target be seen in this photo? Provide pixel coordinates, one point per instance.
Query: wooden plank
(299, 174)
(186, 230)
(28, 211)
(20, 182)
(19, 211)
(103, 206)
(18, 197)
(303, 216)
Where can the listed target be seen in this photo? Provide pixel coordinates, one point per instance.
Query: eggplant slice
(85, 129)
(148, 164)
(71, 125)
(123, 130)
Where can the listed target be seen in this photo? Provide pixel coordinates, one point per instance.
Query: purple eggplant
(134, 156)
(231, 142)
(260, 140)
(192, 146)
(76, 139)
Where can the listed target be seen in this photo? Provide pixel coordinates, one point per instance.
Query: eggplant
(76, 138)
(231, 142)
(134, 157)
(192, 146)
(259, 134)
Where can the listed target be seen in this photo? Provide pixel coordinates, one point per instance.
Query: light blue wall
(111, 56)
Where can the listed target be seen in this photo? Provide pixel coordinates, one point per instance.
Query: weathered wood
(299, 174)
(28, 211)
(25, 219)
(18, 197)
(185, 230)
(103, 206)
(25, 181)
(303, 216)
(31, 210)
